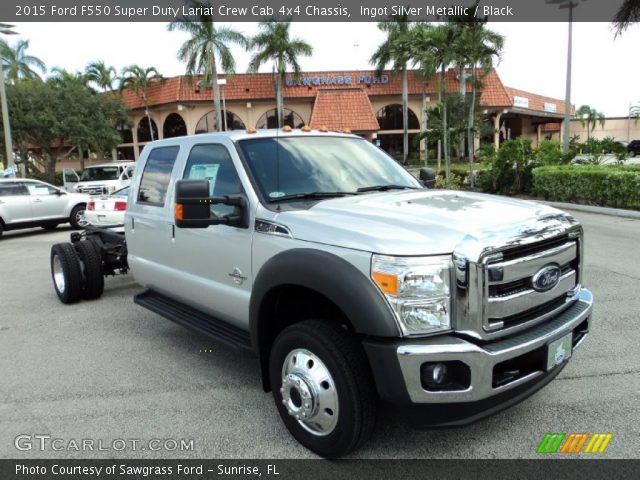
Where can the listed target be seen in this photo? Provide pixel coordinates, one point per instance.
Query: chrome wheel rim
(309, 393)
(80, 219)
(58, 274)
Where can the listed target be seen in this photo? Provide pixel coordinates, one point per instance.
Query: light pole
(222, 82)
(6, 30)
(566, 134)
(634, 112)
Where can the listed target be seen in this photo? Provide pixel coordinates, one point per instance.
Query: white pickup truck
(100, 179)
(347, 278)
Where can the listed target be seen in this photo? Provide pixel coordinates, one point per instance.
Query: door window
(156, 176)
(41, 189)
(13, 189)
(213, 162)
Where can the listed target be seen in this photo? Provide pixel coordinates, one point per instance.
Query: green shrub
(510, 171)
(549, 152)
(608, 186)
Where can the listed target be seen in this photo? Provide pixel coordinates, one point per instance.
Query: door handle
(39, 200)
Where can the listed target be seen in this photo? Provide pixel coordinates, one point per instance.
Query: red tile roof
(347, 109)
(259, 86)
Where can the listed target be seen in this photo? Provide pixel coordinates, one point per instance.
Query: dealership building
(358, 101)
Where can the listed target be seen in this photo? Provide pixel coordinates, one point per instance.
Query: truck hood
(418, 222)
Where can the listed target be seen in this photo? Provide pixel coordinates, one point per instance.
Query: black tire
(66, 273)
(91, 263)
(345, 360)
(77, 214)
(50, 227)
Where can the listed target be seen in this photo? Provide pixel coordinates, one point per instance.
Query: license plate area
(559, 350)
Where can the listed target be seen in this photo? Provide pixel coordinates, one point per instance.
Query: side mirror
(193, 206)
(428, 177)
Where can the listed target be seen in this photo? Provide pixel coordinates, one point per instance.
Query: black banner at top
(306, 11)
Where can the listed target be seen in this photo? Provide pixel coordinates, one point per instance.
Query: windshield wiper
(310, 195)
(384, 188)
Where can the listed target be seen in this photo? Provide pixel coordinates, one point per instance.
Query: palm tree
(433, 50)
(274, 43)
(477, 47)
(396, 50)
(207, 45)
(102, 75)
(139, 80)
(590, 117)
(17, 64)
(64, 76)
(628, 13)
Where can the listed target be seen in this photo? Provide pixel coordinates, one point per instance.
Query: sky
(606, 70)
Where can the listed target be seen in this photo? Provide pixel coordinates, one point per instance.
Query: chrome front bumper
(481, 359)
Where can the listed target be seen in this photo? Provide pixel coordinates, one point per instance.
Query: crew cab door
(149, 220)
(215, 262)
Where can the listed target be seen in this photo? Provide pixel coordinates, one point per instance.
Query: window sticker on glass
(205, 172)
(277, 194)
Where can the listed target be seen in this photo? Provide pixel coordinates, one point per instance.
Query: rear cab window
(157, 175)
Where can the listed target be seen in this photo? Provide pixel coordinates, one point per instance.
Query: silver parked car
(26, 203)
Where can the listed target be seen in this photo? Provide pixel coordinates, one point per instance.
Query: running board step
(196, 320)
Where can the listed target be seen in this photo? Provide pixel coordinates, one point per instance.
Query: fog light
(434, 375)
(451, 375)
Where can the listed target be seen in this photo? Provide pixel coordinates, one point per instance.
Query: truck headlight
(418, 290)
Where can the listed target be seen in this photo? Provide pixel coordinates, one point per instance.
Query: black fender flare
(329, 275)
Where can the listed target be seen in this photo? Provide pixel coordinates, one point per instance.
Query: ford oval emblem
(546, 278)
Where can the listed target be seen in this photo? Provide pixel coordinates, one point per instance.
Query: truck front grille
(510, 299)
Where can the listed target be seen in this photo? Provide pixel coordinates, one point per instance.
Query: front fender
(331, 276)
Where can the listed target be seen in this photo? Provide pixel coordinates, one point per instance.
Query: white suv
(26, 203)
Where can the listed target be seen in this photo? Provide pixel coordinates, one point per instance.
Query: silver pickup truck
(348, 279)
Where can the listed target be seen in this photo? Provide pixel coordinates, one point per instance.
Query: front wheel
(323, 387)
(77, 219)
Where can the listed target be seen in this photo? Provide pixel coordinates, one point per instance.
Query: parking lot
(108, 369)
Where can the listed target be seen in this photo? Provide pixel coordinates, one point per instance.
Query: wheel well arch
(75, 205)
(287, 304)
(303, 284)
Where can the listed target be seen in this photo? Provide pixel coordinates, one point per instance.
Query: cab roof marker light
(306, 128)
(251, 130)
(286, 128)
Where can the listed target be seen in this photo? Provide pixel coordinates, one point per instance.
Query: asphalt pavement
(112, 372)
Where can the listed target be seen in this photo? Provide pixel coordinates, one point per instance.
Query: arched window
(125, 132)
(207, 122)
(144, 135)
(174, 126)
(270, 119)
(390, 118)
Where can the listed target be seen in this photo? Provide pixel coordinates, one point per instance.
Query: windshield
(100, 173)
(339, 165)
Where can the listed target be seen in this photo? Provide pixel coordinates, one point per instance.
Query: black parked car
(634, 148)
